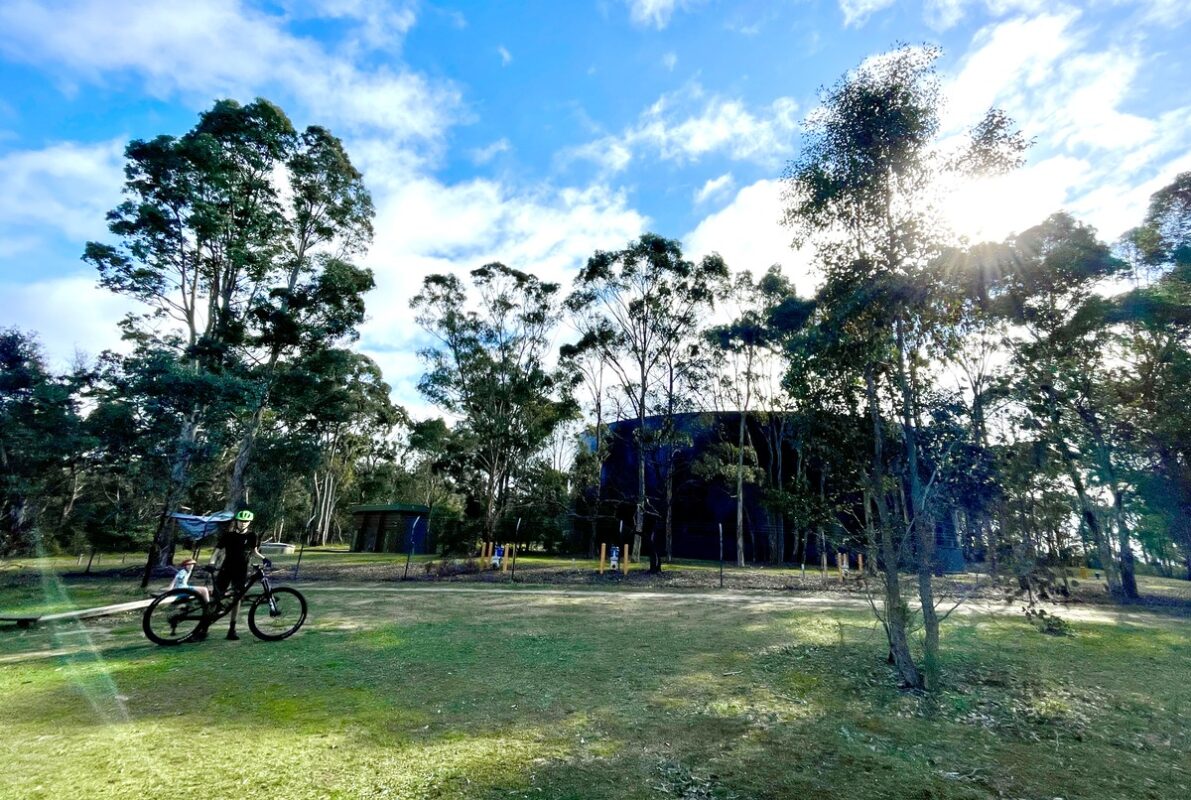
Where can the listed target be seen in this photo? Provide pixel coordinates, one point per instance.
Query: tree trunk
(237, 485)
(1128, 574)
(897, 613)
(920, 527)
(670, 503)
(740, 494)
(161, 550)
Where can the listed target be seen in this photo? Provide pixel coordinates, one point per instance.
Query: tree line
(1027, 394)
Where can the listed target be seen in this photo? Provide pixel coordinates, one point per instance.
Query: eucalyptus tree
(584, 362)
(488, 367)
(314, 295)
(1047, 290)
(236, 238)
(1158, 357)
(741, 345)
(865, 190)
(639, 302)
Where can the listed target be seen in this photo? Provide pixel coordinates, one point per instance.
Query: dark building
(396, 528)
(704, 495)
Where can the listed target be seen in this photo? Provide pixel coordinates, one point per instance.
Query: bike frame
(218, 609)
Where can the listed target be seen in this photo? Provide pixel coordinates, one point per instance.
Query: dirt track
(824, 602)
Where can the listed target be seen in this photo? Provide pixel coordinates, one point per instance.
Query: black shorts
(229, 572)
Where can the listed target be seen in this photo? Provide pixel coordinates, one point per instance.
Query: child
(182, 580)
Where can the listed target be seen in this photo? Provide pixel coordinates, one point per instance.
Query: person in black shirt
(237, 543)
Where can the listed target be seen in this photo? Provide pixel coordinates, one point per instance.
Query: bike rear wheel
(173, 617)
(280, 618)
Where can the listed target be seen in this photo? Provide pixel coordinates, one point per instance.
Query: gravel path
(824, 602)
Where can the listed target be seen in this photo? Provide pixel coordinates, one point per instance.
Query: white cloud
(506, 57)
(945, 14)
(64, 188)
(1072, 93)
(670, 61)
(656, 12)
(482, 155)
(748, 235)
(378, 23)
(713, 187)
(857, 12)
(221, 47)
(69, 314)
(688, 124)
(991, 209)
(425, 226)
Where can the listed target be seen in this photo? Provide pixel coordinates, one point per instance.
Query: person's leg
(222, 581)
(240, 577)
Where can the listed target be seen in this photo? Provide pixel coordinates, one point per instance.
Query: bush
(1050, 624)
(450, 567)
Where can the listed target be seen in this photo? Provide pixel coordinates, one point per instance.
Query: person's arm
(218, 553)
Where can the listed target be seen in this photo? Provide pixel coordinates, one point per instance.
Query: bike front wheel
(277, 615)
(173, 617)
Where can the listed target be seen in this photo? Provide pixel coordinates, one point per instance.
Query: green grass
(408, 695)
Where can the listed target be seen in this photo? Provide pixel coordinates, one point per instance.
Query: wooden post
(841, 564)
(721, 555)
(860, 563)
(603, 555)
(504, 562)
(624, 559)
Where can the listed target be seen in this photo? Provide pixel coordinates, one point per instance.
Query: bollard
(624, 560)
(841, 565)
(860, 563)
(603, 555)
(504, 562)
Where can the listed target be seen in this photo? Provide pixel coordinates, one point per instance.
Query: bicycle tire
(291, 613)
(173, 617)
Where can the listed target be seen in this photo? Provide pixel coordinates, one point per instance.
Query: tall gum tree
(866, 191)
(488, 367)
(642, 300)
(235, 236)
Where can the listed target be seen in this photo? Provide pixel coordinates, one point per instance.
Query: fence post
(721, 555)
(603, 554)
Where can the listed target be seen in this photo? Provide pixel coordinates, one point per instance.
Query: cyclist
(237, 544)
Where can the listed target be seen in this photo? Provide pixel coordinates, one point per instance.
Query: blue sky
(534, 133)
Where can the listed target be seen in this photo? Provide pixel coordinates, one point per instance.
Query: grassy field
(410, 694)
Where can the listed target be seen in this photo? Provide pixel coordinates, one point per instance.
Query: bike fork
(269, 594)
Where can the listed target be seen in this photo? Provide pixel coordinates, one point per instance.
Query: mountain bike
(274, 614)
